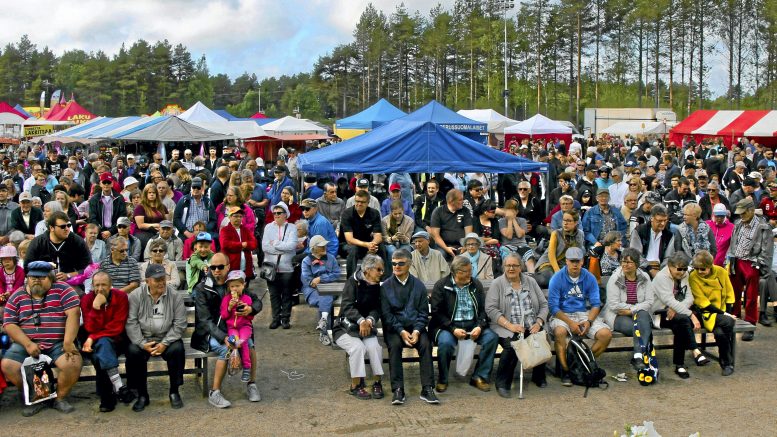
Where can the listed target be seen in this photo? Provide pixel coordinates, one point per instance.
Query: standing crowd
(619, 235)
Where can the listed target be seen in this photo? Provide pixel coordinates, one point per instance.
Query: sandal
(682, 372)
(701, 360)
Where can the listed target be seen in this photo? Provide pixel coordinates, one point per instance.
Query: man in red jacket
(105, 312)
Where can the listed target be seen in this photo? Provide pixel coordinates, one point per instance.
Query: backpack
(583, 369)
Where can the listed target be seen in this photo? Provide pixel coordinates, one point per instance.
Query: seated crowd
(91, 249)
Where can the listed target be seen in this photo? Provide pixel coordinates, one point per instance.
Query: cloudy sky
(266, 37)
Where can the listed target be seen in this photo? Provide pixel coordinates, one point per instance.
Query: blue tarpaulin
(414, 147)
(227, 115)
(376, 115)
(442, 116)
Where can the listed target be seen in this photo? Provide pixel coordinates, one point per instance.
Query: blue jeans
(104, 355)
(446, 344)
(221, 349)
(323, 303)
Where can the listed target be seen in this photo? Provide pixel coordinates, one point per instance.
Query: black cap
(750, 182)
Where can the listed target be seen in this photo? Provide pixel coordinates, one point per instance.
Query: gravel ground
(304, 391)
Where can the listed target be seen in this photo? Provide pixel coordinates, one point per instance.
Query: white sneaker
(253, 392)
(218, 400)
(322, 325)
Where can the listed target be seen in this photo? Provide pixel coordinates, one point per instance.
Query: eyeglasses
(627, 261)
(472, 244)
(278, 212)
(511, 266)
(217, 266)
(159, 251)
(379, 269)
(65, 226)
(398, 263)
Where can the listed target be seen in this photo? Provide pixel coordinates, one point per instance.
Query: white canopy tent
(496, 122)
(292, 126)
(538, 125)
(199, 113)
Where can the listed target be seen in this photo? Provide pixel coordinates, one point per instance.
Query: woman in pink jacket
(722, 228)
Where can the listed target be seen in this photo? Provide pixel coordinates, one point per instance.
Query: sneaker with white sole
(218, 400)
(246, 376)
(253, 392)
(321, 326)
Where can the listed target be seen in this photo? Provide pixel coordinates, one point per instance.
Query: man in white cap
(319, 268)
(568, 292)
(427, 264)
(750, 257)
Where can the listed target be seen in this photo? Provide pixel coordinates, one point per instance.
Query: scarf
(473, 259)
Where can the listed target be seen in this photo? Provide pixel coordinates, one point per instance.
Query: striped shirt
(124, 273)
(43, 321)
(631, 292)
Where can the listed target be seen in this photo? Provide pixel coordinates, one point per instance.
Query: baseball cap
(395, 187)
(308, 203)
(203, 236)
(129, 181)
(232, 210)
(719, 209)
(318, 241)
(197, 182)
(601, 191)
(8, 252)
(363, 183)
(123, 221)
(38, 269)
(25, 196)
(630, 164)
(155, 271)
(130, 156)
(743, 205)
(740, 164)
(166, 224)
(574, 254)
(755, 175)
(280, 169)
(236, 275)
(750, 182)
(106, 176)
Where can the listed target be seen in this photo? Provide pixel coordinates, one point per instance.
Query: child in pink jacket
(239, 328)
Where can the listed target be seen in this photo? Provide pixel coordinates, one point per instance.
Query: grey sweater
(140, 326)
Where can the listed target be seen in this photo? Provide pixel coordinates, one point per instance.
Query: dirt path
(303, 387)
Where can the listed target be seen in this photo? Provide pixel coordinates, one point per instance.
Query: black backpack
(583, 369)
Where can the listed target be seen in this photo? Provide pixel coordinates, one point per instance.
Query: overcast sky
(266, 37)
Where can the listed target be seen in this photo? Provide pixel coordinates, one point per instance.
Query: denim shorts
(18, 353)
(221, 349)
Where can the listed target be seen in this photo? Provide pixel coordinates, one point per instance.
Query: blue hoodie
(569, 297)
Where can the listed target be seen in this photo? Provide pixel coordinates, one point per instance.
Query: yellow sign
(37, 131)
(79, 118)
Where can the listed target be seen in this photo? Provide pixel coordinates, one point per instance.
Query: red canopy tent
(259, 115)
(73, 112)
(5, 107)
(758, 125)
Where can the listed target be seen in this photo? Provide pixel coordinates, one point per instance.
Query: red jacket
(769, 207)
(109, 321)
(232, 246)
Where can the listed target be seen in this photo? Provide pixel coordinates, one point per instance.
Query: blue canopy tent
(19, 108)
(227, 115)
(376, 115)
(414, 147)
(440, 115)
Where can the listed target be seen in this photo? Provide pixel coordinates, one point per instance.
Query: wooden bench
(409, 355)
(195, 363)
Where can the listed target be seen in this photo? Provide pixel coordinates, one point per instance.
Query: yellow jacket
(715, 290)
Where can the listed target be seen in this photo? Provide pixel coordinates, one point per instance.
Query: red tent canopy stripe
(5, 107)
(737, 128)
(690, 124)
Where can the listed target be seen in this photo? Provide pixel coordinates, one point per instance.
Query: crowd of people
(619, 235)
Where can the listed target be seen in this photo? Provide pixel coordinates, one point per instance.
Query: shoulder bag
(269, 270)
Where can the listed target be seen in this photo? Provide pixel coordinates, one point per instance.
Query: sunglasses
(196, 188)
(158, 251)
(523, 189)
(681, 269)
(278, 213)
(106, 182)
(122, 226)
(217, 266)
(398, 263)
(305, 208)
(65, 226)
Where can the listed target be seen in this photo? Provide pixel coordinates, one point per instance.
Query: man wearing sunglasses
(60, 246)
(210, 330)
(43, 302)
(106, 206)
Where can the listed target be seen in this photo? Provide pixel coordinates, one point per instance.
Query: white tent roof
(201, 113)
(496, 122)
(637, 128)
(538, 125)
(10, 118)
(239, 129)
(292, 125)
